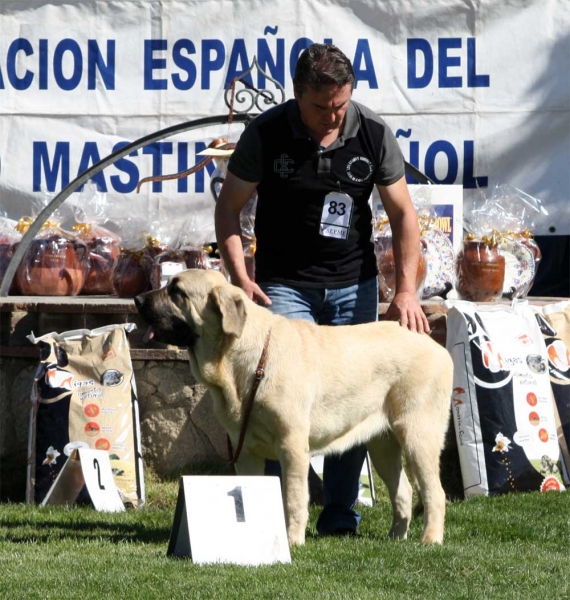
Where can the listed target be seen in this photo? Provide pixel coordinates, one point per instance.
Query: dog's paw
(398, 536)
(432, 539)
(298, 542)
(296, 539)
(399, 530)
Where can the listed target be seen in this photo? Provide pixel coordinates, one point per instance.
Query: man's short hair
(320, 65)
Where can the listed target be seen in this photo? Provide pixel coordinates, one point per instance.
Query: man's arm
(406, 245)
(234, 195)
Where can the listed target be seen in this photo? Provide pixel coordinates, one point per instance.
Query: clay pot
(131, 275)
(480, 272)
(104, 250)
(54, 265)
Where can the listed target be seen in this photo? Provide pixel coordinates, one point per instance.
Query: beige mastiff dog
(325, 390)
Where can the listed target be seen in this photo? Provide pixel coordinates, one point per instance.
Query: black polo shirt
(295, 176)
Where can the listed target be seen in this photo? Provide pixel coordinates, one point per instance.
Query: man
(314, 161)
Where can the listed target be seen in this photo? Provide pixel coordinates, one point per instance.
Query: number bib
(337, 213)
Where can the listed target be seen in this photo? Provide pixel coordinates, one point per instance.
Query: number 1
(238, 501)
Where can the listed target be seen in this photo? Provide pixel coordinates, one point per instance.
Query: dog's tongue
(148, 335)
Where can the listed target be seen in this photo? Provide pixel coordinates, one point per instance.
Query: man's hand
(253, 291)
(406, 309)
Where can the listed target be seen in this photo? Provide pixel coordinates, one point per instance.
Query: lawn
(515, 546)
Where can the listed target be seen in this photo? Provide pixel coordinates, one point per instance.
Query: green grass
(515, 546)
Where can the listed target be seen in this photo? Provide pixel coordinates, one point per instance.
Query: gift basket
(385, 260)
(518, 212)
(480, 269)
(9, 239)
(104, 246)
(437, 251)
(157, 238)
(189, 250)
(499, 257)
(56, 262)
(131, 275)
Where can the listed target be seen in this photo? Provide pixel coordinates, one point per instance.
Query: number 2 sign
(99, 480)
(230, 519)
(90, 468)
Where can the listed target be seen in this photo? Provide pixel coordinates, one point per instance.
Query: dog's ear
(232, 309)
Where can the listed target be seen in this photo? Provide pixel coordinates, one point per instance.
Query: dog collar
(259, 375)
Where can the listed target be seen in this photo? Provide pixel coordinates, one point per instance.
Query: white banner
(478, 93)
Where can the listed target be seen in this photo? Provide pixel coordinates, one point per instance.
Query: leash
(259, 375)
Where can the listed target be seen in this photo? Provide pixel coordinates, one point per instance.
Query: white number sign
(90, 468)
(230, 519)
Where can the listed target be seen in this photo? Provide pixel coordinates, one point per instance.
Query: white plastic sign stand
(90, 468)
(366, 493)
(230, 519)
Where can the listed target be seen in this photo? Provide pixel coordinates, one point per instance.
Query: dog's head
(194, 304)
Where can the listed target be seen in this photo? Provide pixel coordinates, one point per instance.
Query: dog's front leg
(295, 472)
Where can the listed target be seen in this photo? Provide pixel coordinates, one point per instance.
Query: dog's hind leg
(386, 455)
(294, 459)
(422, 446)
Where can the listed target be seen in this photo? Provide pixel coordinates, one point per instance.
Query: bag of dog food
(554, 322)
(84, 396)
(502, 404)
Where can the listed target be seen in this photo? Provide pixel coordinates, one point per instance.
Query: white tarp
(477, 92)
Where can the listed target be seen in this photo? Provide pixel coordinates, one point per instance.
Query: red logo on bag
(492, 358)
(531, 399)
(524, 339)
(102, 444)
(92, 428)
(91, 410)
(457, 392)
(543, 435)
(534, 418)
(550, 484)
(559, 355)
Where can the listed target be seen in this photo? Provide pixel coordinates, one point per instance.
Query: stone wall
(178, 427)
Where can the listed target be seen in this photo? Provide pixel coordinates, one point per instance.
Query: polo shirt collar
(350, 130)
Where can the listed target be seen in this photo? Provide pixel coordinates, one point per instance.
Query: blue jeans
(347, 306)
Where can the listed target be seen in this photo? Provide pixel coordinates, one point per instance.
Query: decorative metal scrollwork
(261, 99)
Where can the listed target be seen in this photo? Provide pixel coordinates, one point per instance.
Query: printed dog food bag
(502, 404)
(554, 323)
(84, 396)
